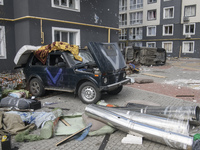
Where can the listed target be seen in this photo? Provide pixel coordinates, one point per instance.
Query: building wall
(27, 31)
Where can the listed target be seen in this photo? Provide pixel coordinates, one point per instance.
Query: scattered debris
(131, 139)
(184, 95)
(143, 80)
(153, 75)
(104, 142)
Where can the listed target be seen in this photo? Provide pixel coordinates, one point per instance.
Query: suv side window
(55, 59)
(36, 62)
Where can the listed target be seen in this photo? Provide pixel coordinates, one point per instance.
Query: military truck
(145, 55)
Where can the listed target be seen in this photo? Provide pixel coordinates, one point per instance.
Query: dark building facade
(41, 22)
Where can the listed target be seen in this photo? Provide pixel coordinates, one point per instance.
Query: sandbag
(20, 103)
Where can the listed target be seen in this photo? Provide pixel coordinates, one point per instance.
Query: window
(188, 47)
(136, 18)
(168, 29)
(73, 5)
(137, 44)
(122, 19)
(189, 29)
(151, 31)
(71, 36)
(151, 44)
(123, 34)
(135, 33)
(122, 46)
(168, 46)
(152, 1)
(2, 43)
(136, 4)
(168, 13)
(151, 15)
(1, 2)
(190, 11)
(122, 5)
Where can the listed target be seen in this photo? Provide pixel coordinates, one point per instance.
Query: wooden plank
(65, 122)
(184, 95)
(153, 75)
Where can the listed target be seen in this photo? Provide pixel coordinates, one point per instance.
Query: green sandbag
(25, 136)
(46, 131)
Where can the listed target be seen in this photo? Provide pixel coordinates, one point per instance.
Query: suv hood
(107, 56)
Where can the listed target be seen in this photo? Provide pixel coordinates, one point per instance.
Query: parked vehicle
(102, 70)
(145, 55)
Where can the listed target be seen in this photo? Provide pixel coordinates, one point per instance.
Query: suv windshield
(84, 54)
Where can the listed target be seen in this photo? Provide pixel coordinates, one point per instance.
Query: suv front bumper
(114, 85)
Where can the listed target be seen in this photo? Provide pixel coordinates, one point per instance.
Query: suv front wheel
(36, 87)
(89, 93)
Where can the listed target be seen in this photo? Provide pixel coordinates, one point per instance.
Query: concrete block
(131, 139)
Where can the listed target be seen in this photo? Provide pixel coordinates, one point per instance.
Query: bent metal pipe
(172, 139)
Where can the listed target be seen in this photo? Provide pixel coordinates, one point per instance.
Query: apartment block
(170, 24)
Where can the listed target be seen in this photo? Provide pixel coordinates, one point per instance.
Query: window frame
(183, 46)
(151, 43)
(190, 6)
(123, 33)
(121, 7)
(167, 42)
(151, 2)
(164, 10)
(184, 28)
(148, 14)
(77, 6)
(121, 21)
(137, 36)
(1, 2)
(137, 20)
(148, 30)
(3, 43)
(137, 5)
(164, 34)
(77, 31)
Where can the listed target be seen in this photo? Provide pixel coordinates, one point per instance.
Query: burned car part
(145, 55)
(169, 138)
(102, 69)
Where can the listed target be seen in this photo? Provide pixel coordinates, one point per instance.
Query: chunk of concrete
(131, 139)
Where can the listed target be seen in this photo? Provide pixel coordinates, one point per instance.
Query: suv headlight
(124, 75)
(105, 80)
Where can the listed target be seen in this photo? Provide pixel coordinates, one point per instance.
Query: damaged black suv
(102, 69)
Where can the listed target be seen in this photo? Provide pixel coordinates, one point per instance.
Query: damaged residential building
(170, 24)
(38, 23)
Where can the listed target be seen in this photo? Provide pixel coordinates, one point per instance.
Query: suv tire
(36, 87)
(89, 93)
(115, 91)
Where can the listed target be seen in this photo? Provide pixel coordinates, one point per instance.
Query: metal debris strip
(10, 80)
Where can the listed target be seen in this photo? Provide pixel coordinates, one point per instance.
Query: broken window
(168, 13)
(168, 46)
(136, 18)
(190, 11)
(67, 4)
(122, 5)
(135, 33)
(123, 34)
(151, 31)
(151, 15)
(2, 43)
(122, 19)
(188, 47)
(151, 44)
(168, 29)
(136, 4)
(189, 29)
